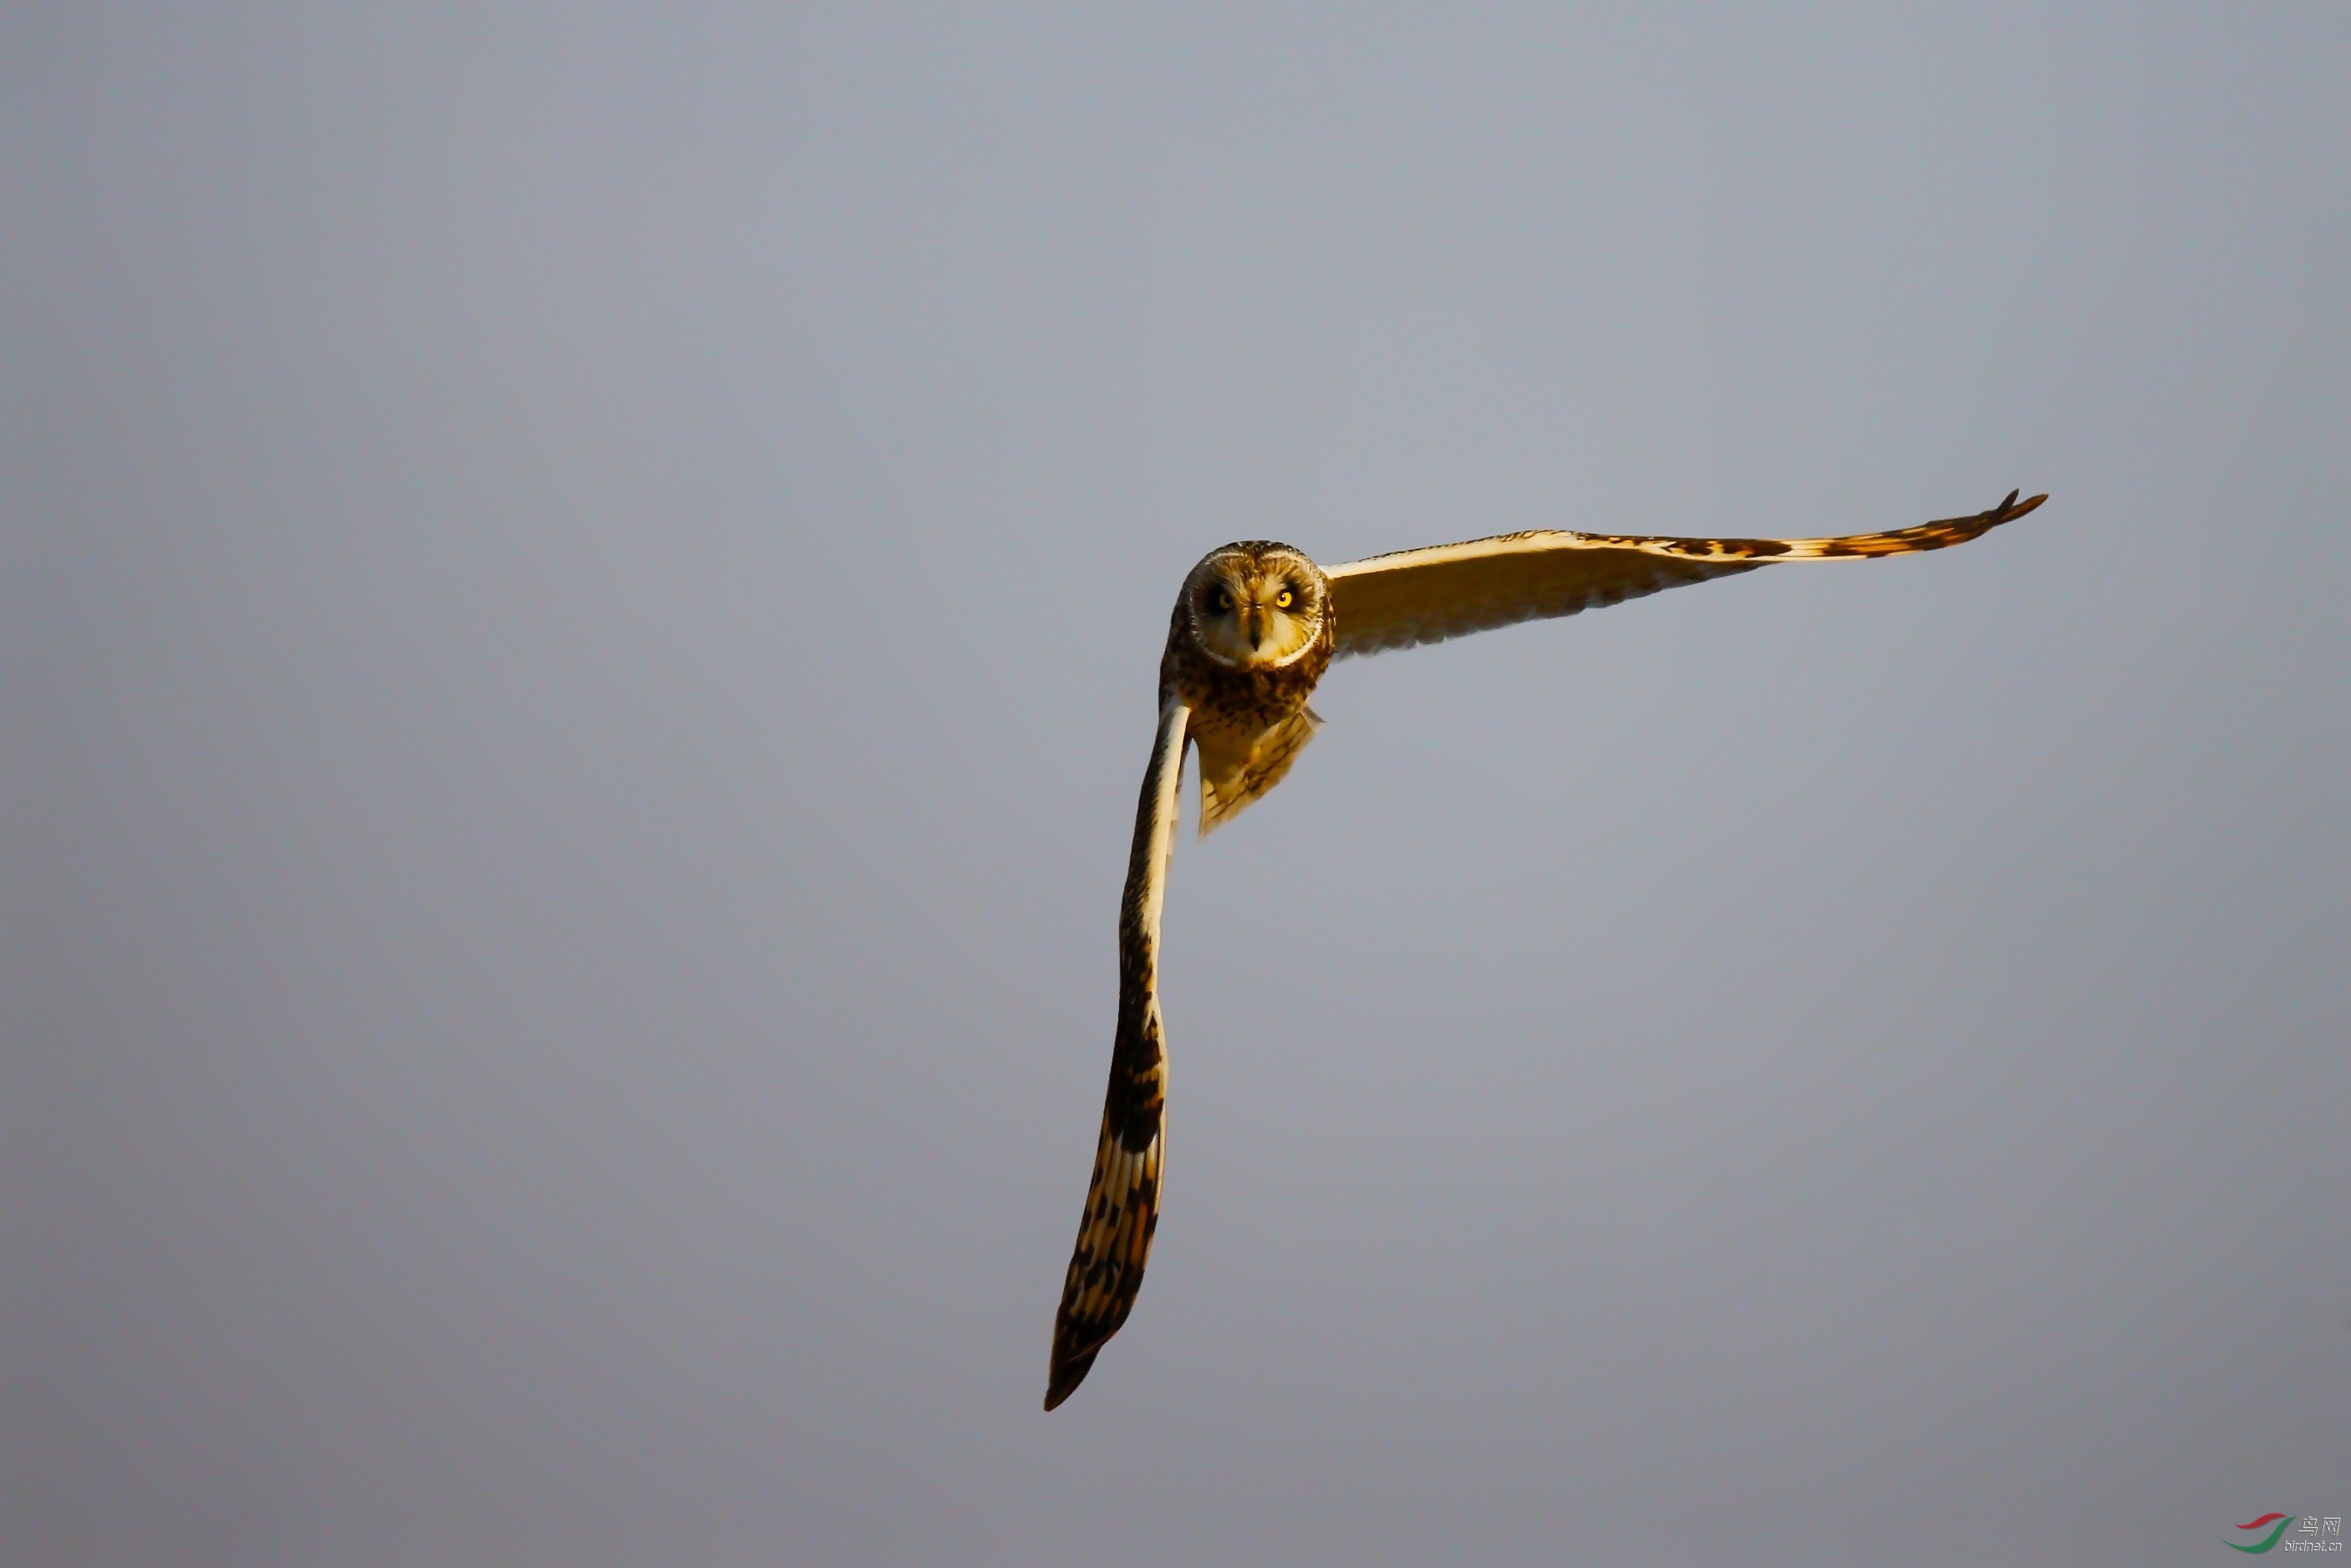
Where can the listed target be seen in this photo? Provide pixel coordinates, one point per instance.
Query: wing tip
(2008, 511)
(1067, 1375)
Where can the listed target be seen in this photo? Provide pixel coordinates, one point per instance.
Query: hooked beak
(1255, 626)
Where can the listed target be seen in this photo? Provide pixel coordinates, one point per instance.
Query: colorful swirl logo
(2279, 1519)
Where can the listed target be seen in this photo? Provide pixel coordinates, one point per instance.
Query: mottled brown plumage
(1254, 629)
(1233, 684)
(1249, 720)
(1123, 1199)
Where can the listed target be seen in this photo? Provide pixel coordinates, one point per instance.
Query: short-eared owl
(1254, 629)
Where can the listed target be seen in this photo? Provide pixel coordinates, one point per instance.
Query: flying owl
(1254, 629)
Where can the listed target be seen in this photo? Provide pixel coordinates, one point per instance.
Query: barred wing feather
(1450, 591)
(1122, 1200)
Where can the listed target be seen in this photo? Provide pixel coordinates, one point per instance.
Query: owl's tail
(1225, 791)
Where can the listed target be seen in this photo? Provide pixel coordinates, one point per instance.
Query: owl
(1253, 630)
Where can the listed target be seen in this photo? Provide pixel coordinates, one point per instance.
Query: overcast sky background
(582, 600)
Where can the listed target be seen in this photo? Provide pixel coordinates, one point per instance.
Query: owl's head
(1255, 604)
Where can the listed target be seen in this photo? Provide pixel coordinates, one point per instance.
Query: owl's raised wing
(1450, 591)
(1123, 1203)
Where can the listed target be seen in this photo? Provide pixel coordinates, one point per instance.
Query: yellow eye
(1224, 599)
(1282, 599)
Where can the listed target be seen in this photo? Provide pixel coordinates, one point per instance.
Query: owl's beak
(1255, 626)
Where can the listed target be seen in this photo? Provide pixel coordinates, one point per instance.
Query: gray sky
(582, 600)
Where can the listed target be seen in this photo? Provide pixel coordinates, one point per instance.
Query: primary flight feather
(1254, 629)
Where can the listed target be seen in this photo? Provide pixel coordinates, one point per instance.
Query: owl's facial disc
(1256, 611)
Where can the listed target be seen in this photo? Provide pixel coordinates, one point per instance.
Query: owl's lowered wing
(1123, 1203)
(1450, 591)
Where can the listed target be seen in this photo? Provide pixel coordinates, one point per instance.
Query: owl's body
(1254, 630)
(1248, 714)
